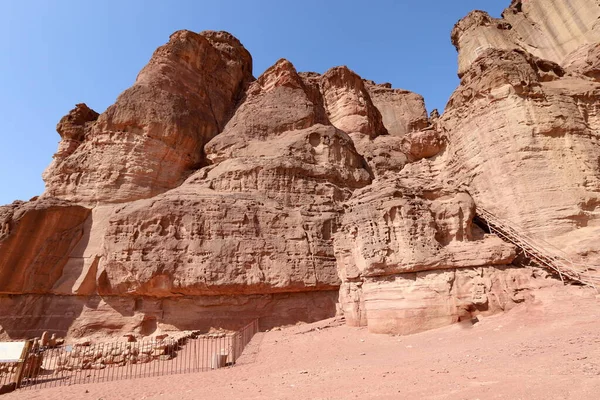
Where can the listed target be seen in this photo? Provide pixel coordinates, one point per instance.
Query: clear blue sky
(54, 54)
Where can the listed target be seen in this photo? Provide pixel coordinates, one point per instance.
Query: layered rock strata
(523, 125)
(550, 30)
(204, 197)
(153, 136)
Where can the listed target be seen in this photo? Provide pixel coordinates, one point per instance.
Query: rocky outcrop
(518, 138)
(534, 161)
(585, 61)
(73, 128)
(414, 302)
(98, 317)
(204, 197)
(388, 232)
(348, 103)
(548, 30)
(152, 137)
(402, 111)
(249, 236)
(396, 230)
(259, 220)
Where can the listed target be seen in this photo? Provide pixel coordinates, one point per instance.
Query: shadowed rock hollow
(205, 197)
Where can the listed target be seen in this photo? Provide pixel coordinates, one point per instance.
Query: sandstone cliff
(548, 29)
(154, 134)
(535, 160)
(205, 197)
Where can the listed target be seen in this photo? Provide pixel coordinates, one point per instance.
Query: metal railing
(541, 252)
(102, 362)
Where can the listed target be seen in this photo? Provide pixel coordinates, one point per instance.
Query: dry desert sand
(545, 349)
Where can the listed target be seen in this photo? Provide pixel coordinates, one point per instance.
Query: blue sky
(54, 54)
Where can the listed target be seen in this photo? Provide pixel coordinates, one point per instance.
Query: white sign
(11, 351)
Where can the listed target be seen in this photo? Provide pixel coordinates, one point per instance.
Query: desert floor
(547, 349)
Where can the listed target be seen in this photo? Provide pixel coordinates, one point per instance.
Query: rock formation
(535, 159)
(154, 134)
(550, 30)
(205, 197)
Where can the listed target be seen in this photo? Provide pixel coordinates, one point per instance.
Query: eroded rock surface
(153, 135)
(549, 30)
(415, 302)
(523, 134)
(402, 111)
(249, 236)
(204, 197)
(36, 240)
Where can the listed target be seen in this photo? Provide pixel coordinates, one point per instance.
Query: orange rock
(204, 198)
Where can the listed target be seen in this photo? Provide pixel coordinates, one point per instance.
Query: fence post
(22, 363)
(236, 345)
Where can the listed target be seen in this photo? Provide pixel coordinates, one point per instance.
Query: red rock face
(348, 103)
(36, 241)
(153, 136)
(204, 197)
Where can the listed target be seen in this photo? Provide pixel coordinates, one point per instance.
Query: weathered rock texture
(204, 197)
(523, 127)
(548, 29)
(152, 137)
(36, 241)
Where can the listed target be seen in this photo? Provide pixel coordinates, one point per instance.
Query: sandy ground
(548, 349)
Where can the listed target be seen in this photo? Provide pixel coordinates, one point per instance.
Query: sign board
(11, 351)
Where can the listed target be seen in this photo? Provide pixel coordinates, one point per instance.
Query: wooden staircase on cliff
(540, 252)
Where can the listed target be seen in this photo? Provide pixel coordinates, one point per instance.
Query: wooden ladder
(538, 251)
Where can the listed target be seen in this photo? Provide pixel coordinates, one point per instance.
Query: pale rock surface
(386, 231)
(414, 302)
(585, 61)
(525, 139)
(548, 29)
(518, 138)
(390, 235)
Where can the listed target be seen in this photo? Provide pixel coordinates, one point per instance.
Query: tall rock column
(524, 131)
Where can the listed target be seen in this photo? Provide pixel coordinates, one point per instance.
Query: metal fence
(103, 362)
